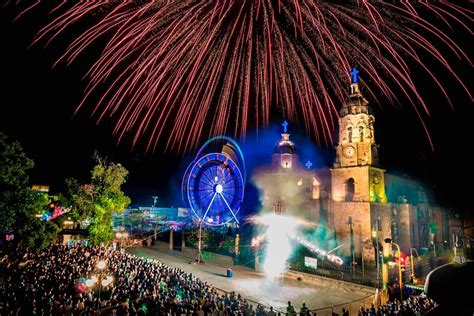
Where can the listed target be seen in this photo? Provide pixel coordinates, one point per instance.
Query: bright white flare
(280, 231)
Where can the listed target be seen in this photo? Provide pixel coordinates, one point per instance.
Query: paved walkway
(254, 286)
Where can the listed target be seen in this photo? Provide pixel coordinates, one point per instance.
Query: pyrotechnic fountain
(281, 230)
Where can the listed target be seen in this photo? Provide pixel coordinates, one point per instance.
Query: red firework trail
(192, 69)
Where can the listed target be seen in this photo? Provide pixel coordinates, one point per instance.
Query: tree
(100, 199)
(14, 165)
(19, 203)
(81, 198)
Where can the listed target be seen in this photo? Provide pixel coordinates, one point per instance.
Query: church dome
(284, 155)
(285, 145)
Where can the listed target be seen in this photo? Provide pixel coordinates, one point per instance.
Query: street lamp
(389, 241)
(102, 279)
(155, 198)
(434, 247)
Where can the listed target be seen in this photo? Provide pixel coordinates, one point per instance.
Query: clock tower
(355, 176)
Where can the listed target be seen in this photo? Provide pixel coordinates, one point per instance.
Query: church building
(356, 200)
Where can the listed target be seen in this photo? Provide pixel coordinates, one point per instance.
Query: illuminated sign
(311, 262)
(40, 188)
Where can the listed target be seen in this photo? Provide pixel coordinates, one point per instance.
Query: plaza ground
(316, 292)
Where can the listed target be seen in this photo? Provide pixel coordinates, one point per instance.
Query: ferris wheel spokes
(230, 209)
(209, 207)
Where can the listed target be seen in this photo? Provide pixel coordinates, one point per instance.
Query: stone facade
(358, 191)
(358, 196)
(343, 215)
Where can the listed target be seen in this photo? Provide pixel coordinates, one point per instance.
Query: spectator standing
(304, 311)
(290, 310)
(271, 312)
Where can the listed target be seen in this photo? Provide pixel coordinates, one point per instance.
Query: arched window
(349, 129)
(371, 128)
(286, 162)
(350, 187)
(361, 133)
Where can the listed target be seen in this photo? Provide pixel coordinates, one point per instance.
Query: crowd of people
(53, 282)
(412, 306)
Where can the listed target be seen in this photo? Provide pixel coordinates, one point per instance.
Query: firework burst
(185, 70)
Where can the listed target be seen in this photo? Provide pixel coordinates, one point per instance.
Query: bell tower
(355, 176)
(356, 145)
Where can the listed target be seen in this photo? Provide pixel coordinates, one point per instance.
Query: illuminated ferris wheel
(213, 185)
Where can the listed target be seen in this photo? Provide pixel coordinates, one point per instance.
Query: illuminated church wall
(339, 216)
(294, 193)
(343, 178)
(286, 187)
(357, 190)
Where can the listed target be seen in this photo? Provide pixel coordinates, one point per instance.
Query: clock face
(349, 151)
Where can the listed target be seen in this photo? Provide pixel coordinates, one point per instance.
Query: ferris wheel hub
(218, 188)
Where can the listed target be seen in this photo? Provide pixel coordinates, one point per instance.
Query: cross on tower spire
(308, 164)
(354, 75)
(285, 127)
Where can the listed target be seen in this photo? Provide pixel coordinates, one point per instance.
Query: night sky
(38, 104)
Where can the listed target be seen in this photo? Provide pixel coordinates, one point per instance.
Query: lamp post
(400, 281)
(155, 233)
(236, 248)
(103, 280)
(434, 248)
(351, 231)
(199, 259)
(377, 258)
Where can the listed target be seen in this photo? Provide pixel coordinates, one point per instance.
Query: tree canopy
(98, 200)
(19, 204)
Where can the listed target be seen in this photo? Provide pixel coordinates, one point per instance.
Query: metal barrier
(110, 310)
(353, 307)
(251, 302)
